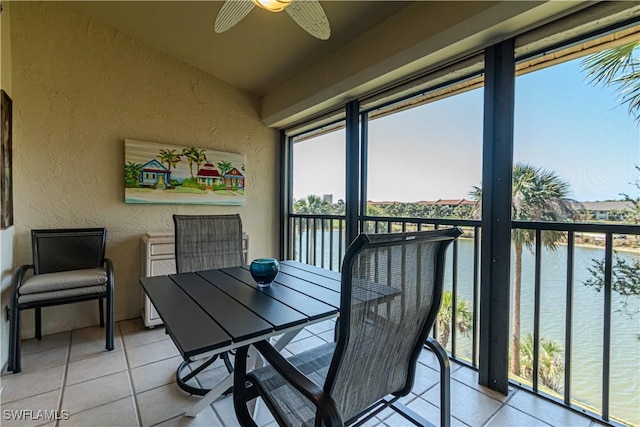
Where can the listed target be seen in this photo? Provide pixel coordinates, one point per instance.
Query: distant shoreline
(616, 248)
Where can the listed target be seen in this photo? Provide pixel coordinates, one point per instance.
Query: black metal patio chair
(373, 362)
(206, 242)
(69, 265)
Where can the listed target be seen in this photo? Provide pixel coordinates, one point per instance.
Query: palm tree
(537, 195)
(338, 208)
(312, 205)
(550, 364)
(618, 67)
(464, 318)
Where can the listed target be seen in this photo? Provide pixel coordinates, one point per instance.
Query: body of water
(588, 320)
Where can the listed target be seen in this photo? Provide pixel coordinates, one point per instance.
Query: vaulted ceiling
(257, 55)
(372, 43)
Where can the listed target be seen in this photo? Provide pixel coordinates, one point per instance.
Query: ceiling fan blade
(310, 15)
(231, 12)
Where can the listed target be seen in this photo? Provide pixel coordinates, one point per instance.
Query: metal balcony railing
(320, 240)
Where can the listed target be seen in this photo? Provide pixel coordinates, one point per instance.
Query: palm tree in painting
(170, 157)
(224, 167)
(464, 318)
(550, 363)
(132, 172)
(199, 157)
(191, 154)
(537, 195)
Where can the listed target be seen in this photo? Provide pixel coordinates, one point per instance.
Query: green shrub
(192, 183)
(131, 183)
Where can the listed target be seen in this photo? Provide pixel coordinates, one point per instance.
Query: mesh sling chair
(372, 364)
(206, 242)
(69, 265)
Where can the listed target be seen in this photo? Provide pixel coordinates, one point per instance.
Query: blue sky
(562, 123)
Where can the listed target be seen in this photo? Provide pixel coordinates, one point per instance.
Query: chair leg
(109, 331)
(14, 341)
(101, 308)
(38, 312)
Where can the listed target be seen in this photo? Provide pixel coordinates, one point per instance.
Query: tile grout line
(502, 404)
(71, 340)
(130, 377)
(522, 410)
(506, 404)
(64, 378)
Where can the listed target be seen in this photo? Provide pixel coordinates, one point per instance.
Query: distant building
(607, 211)
(328, 198)
(452, 203)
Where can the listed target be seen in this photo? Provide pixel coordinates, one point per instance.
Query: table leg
(286, 339)
(278, 345)
(255, 361)
(210, 397)
(217, 391)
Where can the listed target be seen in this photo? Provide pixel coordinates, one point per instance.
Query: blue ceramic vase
(264, 271)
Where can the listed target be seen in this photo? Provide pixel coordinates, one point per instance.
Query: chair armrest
(19, 275)
(327, 409)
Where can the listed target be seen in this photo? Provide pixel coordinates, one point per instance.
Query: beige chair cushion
(65, 293)
(63, 280)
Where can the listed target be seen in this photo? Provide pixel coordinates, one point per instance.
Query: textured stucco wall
(80, 89)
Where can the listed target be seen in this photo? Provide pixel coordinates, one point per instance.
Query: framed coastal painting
(175, 174)
(6, 181)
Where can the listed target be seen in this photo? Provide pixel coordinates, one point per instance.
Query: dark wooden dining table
(214, 311)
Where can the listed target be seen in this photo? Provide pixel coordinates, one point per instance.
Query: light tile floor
(134, 385)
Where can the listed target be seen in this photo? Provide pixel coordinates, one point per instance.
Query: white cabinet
(158, 259)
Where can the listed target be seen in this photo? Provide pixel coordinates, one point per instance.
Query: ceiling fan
(309, 14)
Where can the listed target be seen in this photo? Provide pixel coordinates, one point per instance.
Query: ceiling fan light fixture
(308, 14)
(272, 5)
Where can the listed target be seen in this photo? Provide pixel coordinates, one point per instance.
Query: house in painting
(234, 179)
(154, 174)
(209, 176)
